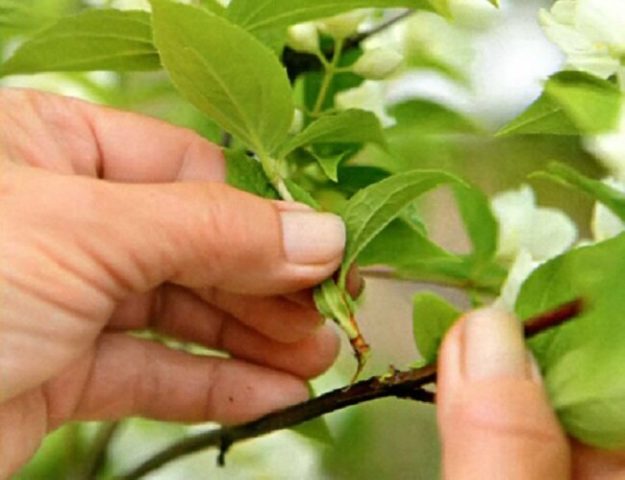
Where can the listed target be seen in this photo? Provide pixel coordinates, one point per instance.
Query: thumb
(209, 234)
(494, 417)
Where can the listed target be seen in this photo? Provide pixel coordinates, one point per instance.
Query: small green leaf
(610, 197)
(582, 361)
(372, 209)
(225, 72)
(349, 126)
(246, 173)
(479, 221)
(330, 164)
(93, 40)
(432, 316)
(572, 103)
(255, 15)
(301, 195)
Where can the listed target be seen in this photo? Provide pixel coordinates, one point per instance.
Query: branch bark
(401, 384)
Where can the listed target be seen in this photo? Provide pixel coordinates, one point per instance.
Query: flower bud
(378, 63)
(303, 37)
(344, 25)
(298, 122)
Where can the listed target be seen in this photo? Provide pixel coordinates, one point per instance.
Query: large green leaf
(93, 40)
(349, 126)
(610, 197)
(373, 208)
(225, 72)
(572, 103)
(432, 316)
(255, 15)
(583, 361)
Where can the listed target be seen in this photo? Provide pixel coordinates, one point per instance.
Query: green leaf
(610, 197)
(432, 316)
(246, 173)
(543, 117)
(225, 72)
(330, 165)
(426, 117)
(93, 40)
(301, 195)
(582, 361)
(349, 126)
(372, 209)
(401, 245)
(255, 15)
(213, 6)
(572, 103)
(479, 221)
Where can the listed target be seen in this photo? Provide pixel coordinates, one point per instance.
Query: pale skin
(111, 222)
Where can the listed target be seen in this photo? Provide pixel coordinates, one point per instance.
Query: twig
(401, 384)
(360, 37)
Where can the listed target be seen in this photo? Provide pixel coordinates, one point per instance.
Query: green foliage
(246, 173)
(350, 126)
(432, 316)
(610, 197)
(582, 361)
(93, 40)
(573, 102)
(258, 15)
(374, 207)
(211, 61)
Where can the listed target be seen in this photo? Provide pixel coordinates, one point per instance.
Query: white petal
(522, 267)
(603, 21)
(609, 148)
(550, 233)
(368, 96)
(514, 210)
(604, 223)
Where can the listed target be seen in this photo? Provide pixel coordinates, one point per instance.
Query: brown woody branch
(401, 384)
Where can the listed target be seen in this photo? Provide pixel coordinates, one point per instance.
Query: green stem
(330, 70)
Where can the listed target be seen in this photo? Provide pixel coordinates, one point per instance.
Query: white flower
(609, 148)
(343, 25)
(378, 63)
(604, 223)
(542, 232)
(522, 267)
(368, 96)
(303, 37)
(591, 33)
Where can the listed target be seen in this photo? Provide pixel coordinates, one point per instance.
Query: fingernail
(494, 346)
(312, 238)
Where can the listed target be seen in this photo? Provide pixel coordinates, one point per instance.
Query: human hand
(111, 222)
(494, 416)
